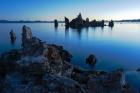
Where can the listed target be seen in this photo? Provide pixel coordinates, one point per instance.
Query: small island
(79, 22)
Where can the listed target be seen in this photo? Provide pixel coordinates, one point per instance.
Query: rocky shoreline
(39, 67)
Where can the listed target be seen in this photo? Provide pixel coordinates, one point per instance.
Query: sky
(57, 9)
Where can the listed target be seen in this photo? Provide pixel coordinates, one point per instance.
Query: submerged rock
(77, 22)
(138, 70)
(91, 59)
(67, 22)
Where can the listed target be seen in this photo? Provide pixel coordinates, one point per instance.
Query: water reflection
(66, 32)
(13, 41)
(56, 28)
(113, 47)
(79, 32)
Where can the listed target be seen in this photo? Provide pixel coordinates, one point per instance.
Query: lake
(117, 47)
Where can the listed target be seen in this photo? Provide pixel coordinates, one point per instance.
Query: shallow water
(117, 47)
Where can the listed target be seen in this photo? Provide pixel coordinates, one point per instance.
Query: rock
(91, 60)
(67, 22)
(12, 36)
(79, 23)
(26, 36)
(111, 23)
(60, 84)
(138, 70)
(55, 23)
(94, 86)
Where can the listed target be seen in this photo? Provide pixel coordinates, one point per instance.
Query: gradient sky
(57, 9)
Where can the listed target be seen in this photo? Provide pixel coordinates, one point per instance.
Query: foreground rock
(43, 68)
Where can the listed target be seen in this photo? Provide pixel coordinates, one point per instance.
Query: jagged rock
(111, 23)
(12, 34)
(91, 60)
(79, 22)
(94, 86)
(87, 22)
(67, 22)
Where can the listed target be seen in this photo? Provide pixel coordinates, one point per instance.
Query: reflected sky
(114, 48)
(118, 47)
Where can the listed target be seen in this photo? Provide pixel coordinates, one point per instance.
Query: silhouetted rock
(91, 60)
(79, 22)
(67, 23)
(55, 23)
(87, 22)
(12, 36)
(111, 23)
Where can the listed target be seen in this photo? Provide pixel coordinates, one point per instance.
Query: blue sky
(51, 9)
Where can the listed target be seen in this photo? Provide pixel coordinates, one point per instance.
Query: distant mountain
(28, 21)
(132, 20)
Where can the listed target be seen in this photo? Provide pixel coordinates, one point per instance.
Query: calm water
(114, 48)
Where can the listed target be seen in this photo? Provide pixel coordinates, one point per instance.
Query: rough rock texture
(79, 22)
(26, 36)
(43, 68)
